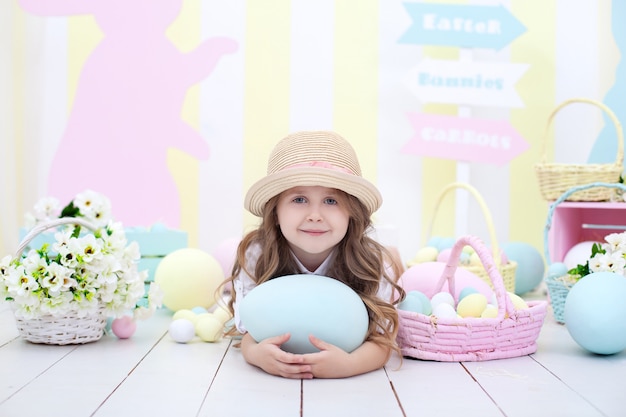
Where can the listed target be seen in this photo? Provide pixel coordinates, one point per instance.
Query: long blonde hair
(359, 262)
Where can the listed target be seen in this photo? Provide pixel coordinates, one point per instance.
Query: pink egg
(124, 327)
(424, 277)
(444, 255)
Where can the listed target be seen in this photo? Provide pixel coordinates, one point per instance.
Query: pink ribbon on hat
(321, 164)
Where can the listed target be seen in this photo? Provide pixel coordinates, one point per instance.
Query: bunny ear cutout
(59, 7)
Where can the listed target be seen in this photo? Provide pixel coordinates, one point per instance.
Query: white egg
(442, 297)
(182, 330)
(444, 310)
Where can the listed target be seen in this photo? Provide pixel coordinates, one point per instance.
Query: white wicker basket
(65, 330)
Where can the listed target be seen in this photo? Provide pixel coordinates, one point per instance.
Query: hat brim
(272, 185)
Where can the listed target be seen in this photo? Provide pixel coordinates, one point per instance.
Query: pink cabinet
(575, 222)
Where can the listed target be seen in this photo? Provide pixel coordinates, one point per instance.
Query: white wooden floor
(150, 375)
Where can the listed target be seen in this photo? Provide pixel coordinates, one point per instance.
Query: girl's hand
(268, 356)
(334, 362)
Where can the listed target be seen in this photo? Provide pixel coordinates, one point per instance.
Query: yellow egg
(475, 260)
(518, 302)
(209, 328)
(472, 305)
(222, 314)
(490, 311)
(185, 314)
(468, 249)
(426, 254)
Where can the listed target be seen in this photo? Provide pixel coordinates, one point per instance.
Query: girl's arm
(333, 362)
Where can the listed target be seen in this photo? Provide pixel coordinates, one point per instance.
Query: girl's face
(313, 220)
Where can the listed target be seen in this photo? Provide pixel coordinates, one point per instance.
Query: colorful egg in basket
(304, 305)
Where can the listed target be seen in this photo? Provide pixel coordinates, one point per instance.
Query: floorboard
(150, 374)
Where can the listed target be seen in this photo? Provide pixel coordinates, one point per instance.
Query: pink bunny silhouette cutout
(127, 108)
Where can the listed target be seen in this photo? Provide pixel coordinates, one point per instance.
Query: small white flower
(607, 262)
(616, 242)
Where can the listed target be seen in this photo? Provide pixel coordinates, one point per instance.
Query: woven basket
(507, 270)
(559, 286)
(556, 178)
(65, 330)
(512, 333)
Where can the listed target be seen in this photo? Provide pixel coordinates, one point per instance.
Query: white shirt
(243, 283)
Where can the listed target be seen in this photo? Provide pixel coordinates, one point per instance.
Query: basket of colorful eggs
(470, 260)
(469, 328)
(559, 278)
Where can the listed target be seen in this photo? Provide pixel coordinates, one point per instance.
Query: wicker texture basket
(65, 330)
(559, 286)
(556, 178)
(512, 333)
(507, 270)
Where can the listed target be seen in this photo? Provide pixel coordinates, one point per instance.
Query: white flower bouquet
(87, 271)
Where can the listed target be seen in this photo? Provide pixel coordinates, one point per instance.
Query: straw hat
(312, 158)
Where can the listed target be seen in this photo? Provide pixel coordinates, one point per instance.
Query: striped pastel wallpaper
(327, 64)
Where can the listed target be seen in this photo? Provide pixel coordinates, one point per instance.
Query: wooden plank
(242, 390)
(522, 387)
(173, 379)
(364, 395)
(439, 388)
(82, 379)
(595, 378)
(8, 330)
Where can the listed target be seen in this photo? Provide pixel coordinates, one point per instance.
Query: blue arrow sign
(466, 26)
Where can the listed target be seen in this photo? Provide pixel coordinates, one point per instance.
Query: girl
(315, 208)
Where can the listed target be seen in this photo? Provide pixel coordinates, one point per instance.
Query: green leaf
(70, 210)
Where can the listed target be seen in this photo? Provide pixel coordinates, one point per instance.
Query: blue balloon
(304, 305)
(530, 265)
(595, 313)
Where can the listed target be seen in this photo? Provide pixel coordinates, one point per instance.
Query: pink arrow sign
(464, 139)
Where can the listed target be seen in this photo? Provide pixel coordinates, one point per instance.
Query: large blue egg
(304, 305)
(595, 313)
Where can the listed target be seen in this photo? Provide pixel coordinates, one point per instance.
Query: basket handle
(619, 157)
(486, 213)
(564, 197)
(504, 303)
(41, 227)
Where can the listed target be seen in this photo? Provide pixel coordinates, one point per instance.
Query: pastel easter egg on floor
(182, 330)
(185, 313)
(425, 277)
(530, 265)
(578, 254)
(209, 328)
(304, 305)
(595, 313)
(189, 278)
(124, 327)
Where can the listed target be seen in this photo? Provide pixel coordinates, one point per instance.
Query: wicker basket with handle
(559, 286)
(556, 178)
(73, 328)
(510, 334)
(506, 270)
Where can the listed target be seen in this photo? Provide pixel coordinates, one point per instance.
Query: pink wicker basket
(512, 333)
